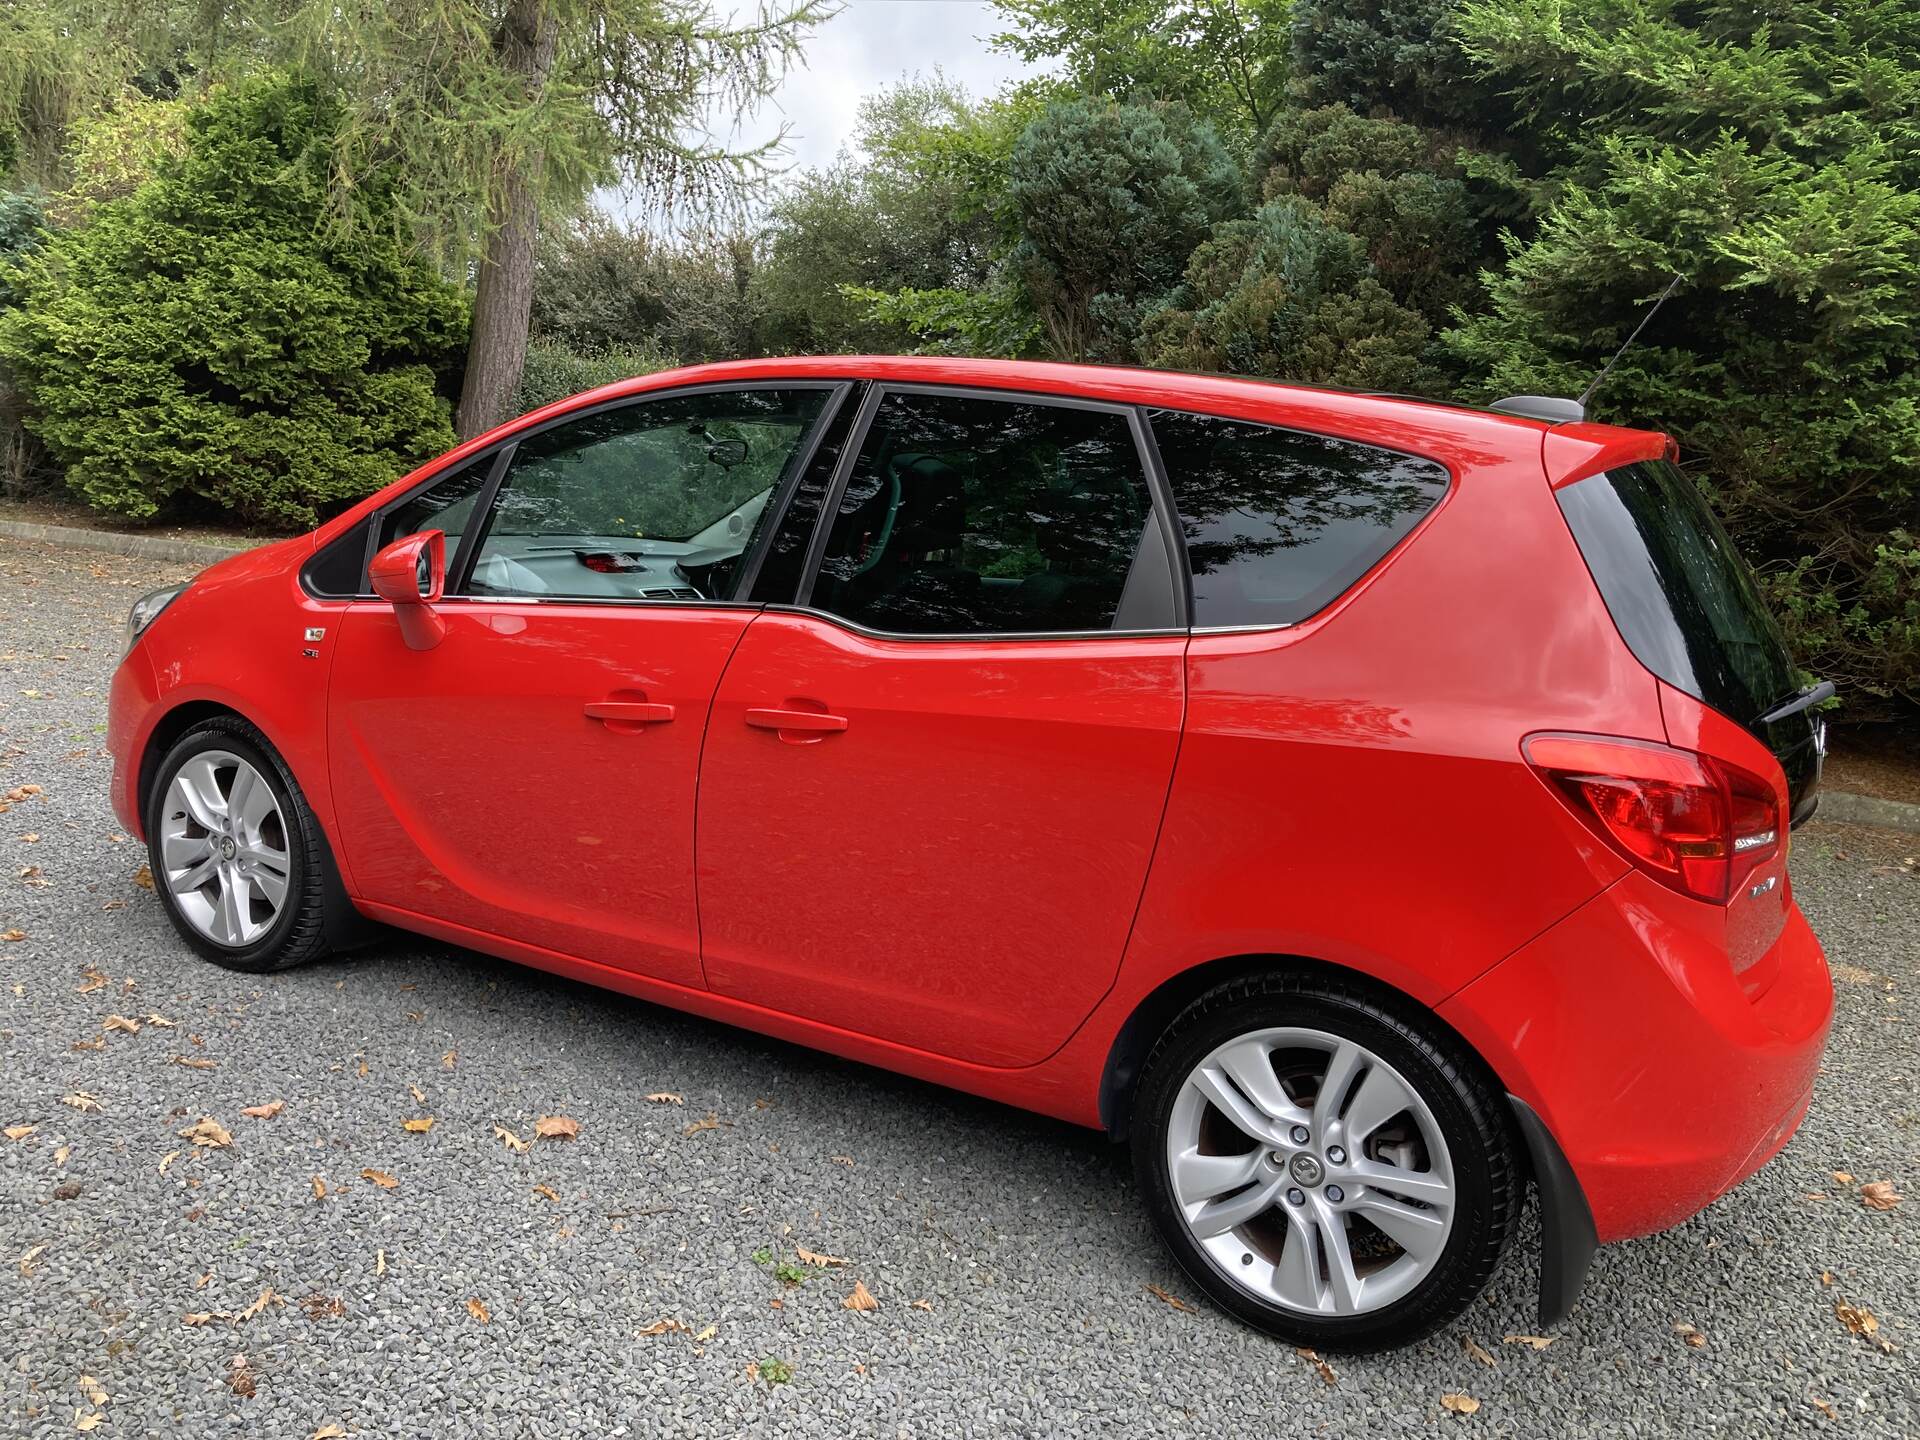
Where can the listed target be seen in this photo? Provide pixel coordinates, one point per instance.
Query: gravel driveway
(630, 1281)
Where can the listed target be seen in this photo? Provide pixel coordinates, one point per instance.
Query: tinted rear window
(1683, 598)
(1279, 523)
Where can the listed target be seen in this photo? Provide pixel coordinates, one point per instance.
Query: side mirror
(411, 575)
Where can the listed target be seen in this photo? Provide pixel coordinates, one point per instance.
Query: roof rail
(1542, 407)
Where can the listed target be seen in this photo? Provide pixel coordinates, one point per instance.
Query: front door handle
(812, 720)
(629, 712)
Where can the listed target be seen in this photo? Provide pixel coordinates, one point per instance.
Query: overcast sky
(869, 45)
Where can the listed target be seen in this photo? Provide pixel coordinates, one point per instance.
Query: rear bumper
(1662, 1081)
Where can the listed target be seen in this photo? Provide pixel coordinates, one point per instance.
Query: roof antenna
(1587, 394)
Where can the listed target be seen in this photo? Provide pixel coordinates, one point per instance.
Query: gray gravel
(1021, 1235)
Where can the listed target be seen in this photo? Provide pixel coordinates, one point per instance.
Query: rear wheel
(237, 857)
(1321, 1162)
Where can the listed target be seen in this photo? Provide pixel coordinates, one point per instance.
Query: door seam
(699, 770)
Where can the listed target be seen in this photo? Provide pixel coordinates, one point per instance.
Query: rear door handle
(771, 719)
(629, 712)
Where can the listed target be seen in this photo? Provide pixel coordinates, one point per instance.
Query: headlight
(147, 608)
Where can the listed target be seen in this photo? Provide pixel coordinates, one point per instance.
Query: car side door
(934, 776)
(532, 774)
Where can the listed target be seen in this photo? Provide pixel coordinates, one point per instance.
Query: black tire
(1465, 1101)
(311, 916)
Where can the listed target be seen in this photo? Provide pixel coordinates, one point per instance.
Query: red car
(1363, 805)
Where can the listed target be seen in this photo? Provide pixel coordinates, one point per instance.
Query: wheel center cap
(1306, 1169)
(227, 848)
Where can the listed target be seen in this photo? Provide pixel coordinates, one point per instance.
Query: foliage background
(1454, 197)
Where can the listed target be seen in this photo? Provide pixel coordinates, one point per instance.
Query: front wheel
(1325, 1164)
(236, 856)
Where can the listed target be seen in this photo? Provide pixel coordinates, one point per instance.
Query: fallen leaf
(1842, 1177)
(1825, 1407)
(1169, 1297)
(143, 877)
(512, 1141)
(556, 1127)
(1826, 1277)
(265, 1298)
(765, 1102)
(1532, 1342)
(419, 1095)
(1460, 1404)
(168, 1159)
(121, 1022)
(663, 1327)
(193, 1062)
(202, 1282)
(327, 1432)
(266, 1111)
(60, 1154)
(200, 1317)
(21, 792)
(846, 1160)
(712, 1122)
(446, 1060)
(161, 1021)
(1878, 1195)
(14, 933)
(99, 1042)
(923, 1305)
(323, 1307)
(860, 1299)
(479, 1311)
(666, 1097)
(319, 1188)
(1320, 1366)
(1478, 1351)
(81, 1101)
(546, 1191)
(84, 1423)
(815, 1258)
(240, 1379)
(27, 1259)
(208, 1133)
(95, 980)
(19, 1132)
(380, 1262)
(420, 1125)
(90, 1387)
(380, 1178)
(707, 1334)
(1690, 1334)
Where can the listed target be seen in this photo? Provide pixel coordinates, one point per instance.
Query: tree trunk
(503, 293)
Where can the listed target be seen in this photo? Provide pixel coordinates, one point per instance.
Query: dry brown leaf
(143, 877)
(83, 1423)
(380, 1178)
(512, 1141)
(168, 1159)
(860, 1299)
(1478, 1351)
(265, 1298)
(161, 1021)
(846, 1160)
(60, 1154)
(266, 1111)
(323, 1307)
(379, 1262)
(82, 1102)
(712, 1122)
(203, 1281)
(447, 1060)
(99, 1042)
(121, 1022)
(19, 1132)
(1878, 1195)
(420, 1125)
(479, 1311)
(707, 1334)
(208, 1133)
(666, 1097)
(1460, 1404)
(547, 1192)
(1169, 1297)
(21, 792)
(319, 1188)
(32, 1254)
(1320, 1366)
(1532, 1342)
(13, 933)
(90, 1387)
(663, 1327)
(327, 1432)
(1842, 1177)
(419, 1095)
(1825, 1407)
(240, 1379)
(1690, 1334)
(95, 981)
(193, 1062)
(200, 1317)
(926, 1305)
(815, 1258)
(556, 1127)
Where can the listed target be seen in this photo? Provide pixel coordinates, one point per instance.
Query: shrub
(218, 335)
(553, 371)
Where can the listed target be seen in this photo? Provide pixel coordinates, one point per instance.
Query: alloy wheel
(1310, 1172)
(224, 848)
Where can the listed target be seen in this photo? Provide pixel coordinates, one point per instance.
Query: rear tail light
(1696, 823)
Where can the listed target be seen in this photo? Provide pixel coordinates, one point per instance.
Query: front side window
(1280, 523)
(972, 515)
(447, 504)
(656, 500)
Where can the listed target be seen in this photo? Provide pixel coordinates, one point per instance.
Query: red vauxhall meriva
(1363, 805)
